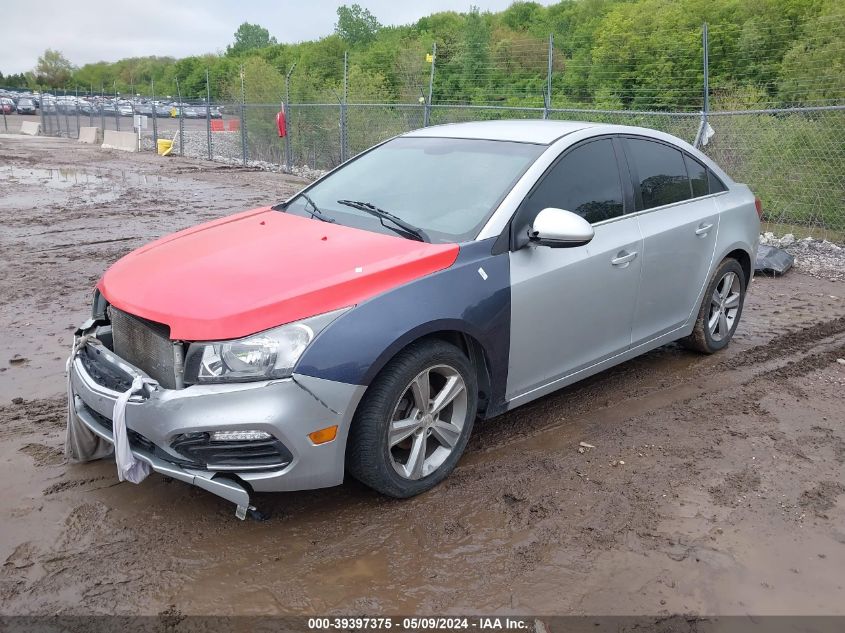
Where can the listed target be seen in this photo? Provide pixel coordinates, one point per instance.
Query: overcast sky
(94, 31)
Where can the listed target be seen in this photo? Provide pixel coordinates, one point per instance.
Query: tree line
(627, 54)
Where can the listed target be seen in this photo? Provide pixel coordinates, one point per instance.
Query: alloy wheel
(427, 422)
(724, 306)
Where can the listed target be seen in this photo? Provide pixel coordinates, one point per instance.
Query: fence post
(116, 107)
(427, 111)
(343, 131)
(243, 117)
(77, 113)
(5, 123)
(208, 112)
(41, 108)
(181, 119)
(102, 108)
(547, 105)
(286, 110)
(67, 119)
(58, 120)
(705, 109)
(155, 114)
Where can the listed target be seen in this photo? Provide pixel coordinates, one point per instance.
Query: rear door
(573, 307)
(679, 222)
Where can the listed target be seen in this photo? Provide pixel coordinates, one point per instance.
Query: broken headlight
(263, 356)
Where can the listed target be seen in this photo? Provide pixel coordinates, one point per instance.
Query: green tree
(521, 16)
(813, 70)
(355, 25)
(53, 69)
(249, 37)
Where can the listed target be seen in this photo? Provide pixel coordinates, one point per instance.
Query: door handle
(623, 258)
(703, 229)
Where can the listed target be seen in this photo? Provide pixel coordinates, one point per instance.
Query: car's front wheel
(414, 421)
(720, 309)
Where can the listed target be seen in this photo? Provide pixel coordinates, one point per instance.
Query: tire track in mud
(636, 375)
(626, 506)
(787, 343)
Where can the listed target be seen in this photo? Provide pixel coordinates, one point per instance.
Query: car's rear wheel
(720, 309)
(414, 421)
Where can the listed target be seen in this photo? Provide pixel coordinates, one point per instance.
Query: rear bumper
(288, 409)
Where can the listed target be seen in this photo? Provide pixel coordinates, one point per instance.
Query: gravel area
(819, 258)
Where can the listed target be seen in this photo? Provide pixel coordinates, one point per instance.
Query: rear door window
(661, 173)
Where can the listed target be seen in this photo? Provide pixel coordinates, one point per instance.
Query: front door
(573, 307)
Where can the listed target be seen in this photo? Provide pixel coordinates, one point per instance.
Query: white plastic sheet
(128, 468)
(81, 443)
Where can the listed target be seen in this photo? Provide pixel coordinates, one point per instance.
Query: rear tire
(414, 420)
(720, 311)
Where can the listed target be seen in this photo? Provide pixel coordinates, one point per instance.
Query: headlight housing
(263, 356)
(98, 306)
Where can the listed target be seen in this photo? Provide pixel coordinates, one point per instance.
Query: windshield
(446, 187)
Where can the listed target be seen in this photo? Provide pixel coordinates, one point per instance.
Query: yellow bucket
(164, 146)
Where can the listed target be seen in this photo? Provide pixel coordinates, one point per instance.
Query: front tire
(414, 421)
(721, 309)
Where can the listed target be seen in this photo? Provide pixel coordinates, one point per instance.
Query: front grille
(136, 440)
(146, 345)
(139, 442)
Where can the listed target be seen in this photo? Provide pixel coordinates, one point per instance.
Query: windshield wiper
(315, 210)
(406, 229)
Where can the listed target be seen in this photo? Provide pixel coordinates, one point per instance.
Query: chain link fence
(792, 157)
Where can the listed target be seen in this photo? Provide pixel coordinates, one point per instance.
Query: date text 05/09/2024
(427, 623)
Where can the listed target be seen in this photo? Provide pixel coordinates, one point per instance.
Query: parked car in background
(125, 109)
(26, 105)
(145, 109)
(66, 105)
(7, 106)
(452, 273)
(215, 113)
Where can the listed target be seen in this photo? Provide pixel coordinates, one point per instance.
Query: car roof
(525, 131)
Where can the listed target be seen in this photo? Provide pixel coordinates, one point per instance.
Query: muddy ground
(715, 485)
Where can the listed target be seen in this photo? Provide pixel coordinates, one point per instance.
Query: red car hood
(260, 269)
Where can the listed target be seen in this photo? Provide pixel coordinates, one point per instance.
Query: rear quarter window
(716, 185)
(698, 177)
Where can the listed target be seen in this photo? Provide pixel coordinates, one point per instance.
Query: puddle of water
(62, 178)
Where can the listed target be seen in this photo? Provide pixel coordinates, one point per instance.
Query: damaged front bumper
(158, 421)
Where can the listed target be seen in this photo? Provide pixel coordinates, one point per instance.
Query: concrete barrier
(33, 128)
(124, 141)
(91, 135)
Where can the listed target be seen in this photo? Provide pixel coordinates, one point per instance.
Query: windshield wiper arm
(315, 210)
(405, 228)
